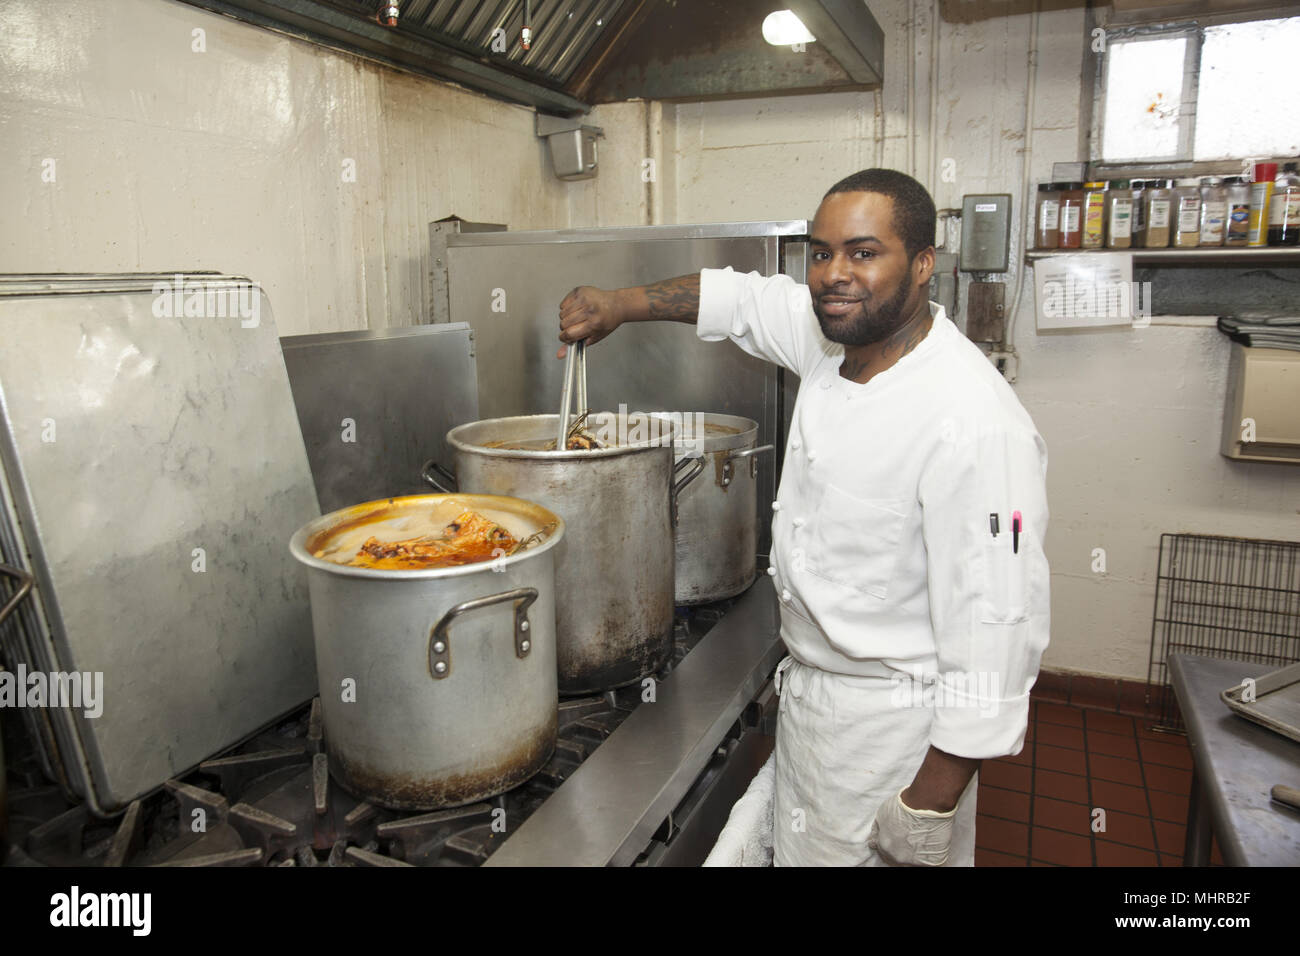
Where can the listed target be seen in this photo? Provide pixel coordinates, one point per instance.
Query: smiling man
(907, 535)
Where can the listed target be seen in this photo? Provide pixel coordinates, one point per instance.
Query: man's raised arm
(589, 314)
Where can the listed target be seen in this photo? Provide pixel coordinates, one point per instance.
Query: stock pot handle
(24, 586)
(697, 466)
(749, 453)
(439, 639)
(432, 471)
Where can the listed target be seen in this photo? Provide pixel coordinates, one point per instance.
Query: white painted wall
(231, 159)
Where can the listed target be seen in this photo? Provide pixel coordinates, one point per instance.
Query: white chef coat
(888, 573)
(881, 542)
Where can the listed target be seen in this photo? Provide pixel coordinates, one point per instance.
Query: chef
(907, 534)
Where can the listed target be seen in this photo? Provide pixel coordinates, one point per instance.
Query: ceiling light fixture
(783, 28)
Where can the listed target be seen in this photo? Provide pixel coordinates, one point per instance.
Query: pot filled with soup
(434, 622)
(615, 485)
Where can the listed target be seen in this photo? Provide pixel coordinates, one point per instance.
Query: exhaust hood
(584, 52)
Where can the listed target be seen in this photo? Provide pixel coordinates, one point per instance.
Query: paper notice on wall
(1090, 289)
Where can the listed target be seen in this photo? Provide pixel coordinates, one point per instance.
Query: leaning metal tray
(154, 472)
(1276, 704)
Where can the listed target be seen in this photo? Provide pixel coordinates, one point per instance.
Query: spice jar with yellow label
(1094, 215)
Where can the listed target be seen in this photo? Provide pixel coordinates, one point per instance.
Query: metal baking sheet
(65, 283)
(129, 442)
(1276, 704)
(374, 406)
(21, 641)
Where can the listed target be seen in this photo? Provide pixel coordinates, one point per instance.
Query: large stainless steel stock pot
(614, 569)
(437, 685)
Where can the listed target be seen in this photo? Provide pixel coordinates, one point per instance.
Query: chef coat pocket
(1005, 581)
(857, 541)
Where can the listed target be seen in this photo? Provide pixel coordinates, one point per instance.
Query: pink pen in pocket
(1015, 532)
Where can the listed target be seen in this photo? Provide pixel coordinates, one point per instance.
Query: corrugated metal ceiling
(564, 31)
(592, 51)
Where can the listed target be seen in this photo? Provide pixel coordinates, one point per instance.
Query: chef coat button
(812, 455)
(776, 506)
(796, 444)
(771, 571)
(799, 522)
(785, 596)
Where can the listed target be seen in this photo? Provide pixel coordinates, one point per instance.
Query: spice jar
(1094, 215)
(1238, 222)
(1284, 212)
(1047, 216)
(1187, 214)
(1138, 187)
(1119, 215)
(1214, 211)
(1261, 197)
(1071, 215)
(1158, 200)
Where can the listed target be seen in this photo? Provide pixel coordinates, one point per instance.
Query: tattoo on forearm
(675, 298)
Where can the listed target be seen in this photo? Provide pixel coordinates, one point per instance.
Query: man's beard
(869, 325)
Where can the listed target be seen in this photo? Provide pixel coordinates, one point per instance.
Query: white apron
(842, 749)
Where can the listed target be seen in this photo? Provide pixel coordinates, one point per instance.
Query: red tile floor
(1037, 808)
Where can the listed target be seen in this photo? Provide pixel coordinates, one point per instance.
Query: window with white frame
(1194, 93)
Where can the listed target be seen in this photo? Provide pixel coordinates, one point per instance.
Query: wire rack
(1231, 598)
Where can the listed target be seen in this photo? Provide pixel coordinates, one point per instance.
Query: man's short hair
(914, 215)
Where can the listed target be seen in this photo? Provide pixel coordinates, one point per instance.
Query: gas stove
(272, 802)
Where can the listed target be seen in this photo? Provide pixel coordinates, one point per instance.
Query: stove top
(272, 802)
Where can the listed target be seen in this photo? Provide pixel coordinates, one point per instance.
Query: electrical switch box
(985, 233)
(985, 312)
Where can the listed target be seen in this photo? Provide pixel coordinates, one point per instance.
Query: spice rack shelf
(1207, 256)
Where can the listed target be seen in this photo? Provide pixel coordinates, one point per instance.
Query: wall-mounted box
(573, 154)
(572, 146)
(985, 233)
(1261, 415)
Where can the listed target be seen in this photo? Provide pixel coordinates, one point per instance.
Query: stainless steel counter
(607, 812)
(1236, 765)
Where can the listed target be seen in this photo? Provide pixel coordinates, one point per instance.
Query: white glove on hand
(907, 837)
